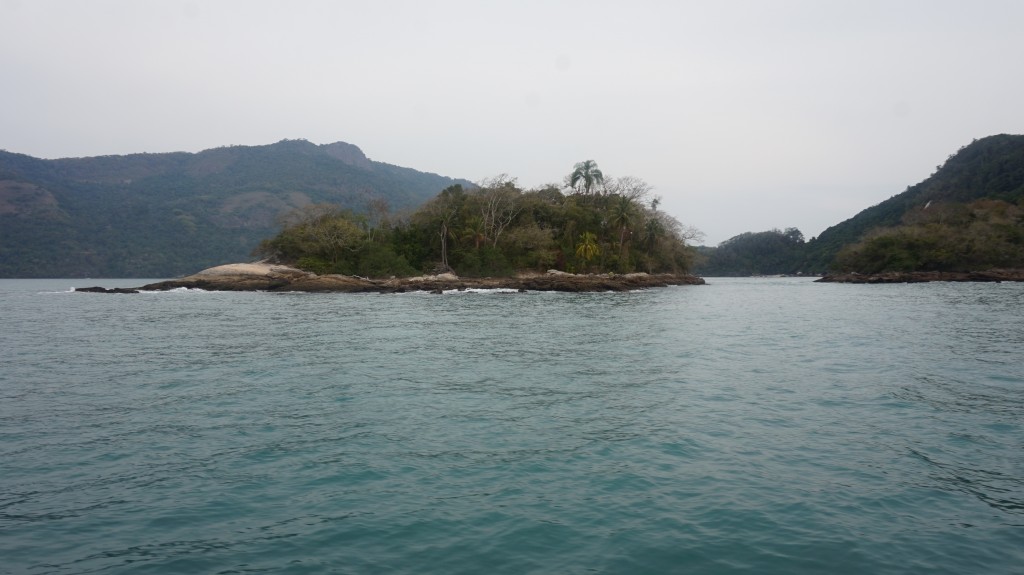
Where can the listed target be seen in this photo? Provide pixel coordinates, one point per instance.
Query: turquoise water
(745, 426)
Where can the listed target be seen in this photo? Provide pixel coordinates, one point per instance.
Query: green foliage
(587, 248)
(980, 235)
(937, 224)
(991, 167)
(315, 264)
(762, 253)
(493, 230)
(163, 215)
(376, 260)
(586, 177)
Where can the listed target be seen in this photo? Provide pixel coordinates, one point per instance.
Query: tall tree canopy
(494, 229)
(585, 177)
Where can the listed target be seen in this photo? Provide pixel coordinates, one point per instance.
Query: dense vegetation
(983, 234)
(754, 253)
(495, 229)
(991, 168)
(966, 216)
(163, 215)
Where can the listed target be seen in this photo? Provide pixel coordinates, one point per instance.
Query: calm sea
(745, 426)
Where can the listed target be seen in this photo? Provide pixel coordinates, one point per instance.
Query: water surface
(749, 425)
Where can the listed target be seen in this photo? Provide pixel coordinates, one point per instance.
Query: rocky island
(994, 275)
(280, 278)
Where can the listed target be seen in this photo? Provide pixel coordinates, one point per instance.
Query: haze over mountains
(968, 215)
(164, 215)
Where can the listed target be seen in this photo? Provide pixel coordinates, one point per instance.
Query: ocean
(769, 425)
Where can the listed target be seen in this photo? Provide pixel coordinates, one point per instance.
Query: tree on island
(475, 232)
(498, 229)
(588, 247)
(943, 236)
(585, 176)
(443, 211)
(622, 213)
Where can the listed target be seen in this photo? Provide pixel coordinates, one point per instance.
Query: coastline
(270, 277)
(994, 275)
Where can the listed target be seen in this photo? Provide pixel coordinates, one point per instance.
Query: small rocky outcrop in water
(269, 277)
(97, 289)
(998, 275)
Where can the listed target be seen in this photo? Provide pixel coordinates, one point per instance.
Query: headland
(994, 275)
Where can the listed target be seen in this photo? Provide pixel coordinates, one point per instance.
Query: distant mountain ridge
(990, 168)
(987, 168)
(168, 214)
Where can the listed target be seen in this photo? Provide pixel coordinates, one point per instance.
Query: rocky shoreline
(996, 275)
(268, 277)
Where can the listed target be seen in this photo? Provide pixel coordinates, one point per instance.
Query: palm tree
(585, 175)
(588, 247)
(622, 214)
(474, 232)
(653, 230)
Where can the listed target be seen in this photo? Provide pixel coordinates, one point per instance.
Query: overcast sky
(743, 115)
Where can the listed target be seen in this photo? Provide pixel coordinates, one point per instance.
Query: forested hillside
(991, 168)
(771, 252)
(968, 215)
(162, 215)
(496, 229)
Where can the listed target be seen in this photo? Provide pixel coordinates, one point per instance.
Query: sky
(743, 115)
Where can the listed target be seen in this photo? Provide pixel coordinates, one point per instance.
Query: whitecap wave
(481, 291)
(176, 290)
(52, 292)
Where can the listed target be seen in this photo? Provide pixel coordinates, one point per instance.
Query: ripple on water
(773, 425)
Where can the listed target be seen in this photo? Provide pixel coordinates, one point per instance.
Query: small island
(965, 223)
(605, 234)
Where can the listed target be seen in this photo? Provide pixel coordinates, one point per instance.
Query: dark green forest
(948, 236)
(771, 252)
(494, 229)
(164, 215)
(966, 216)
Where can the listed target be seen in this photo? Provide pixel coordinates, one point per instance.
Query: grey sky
(743, 115)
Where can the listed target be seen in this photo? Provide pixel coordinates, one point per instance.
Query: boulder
(97, 289)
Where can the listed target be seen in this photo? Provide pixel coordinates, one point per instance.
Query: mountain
(164, 215)
(968, 214)
(753, 254)
(991, 168)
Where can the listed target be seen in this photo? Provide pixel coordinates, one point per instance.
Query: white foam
(51, 292)
(481, 290)
(176, 290)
